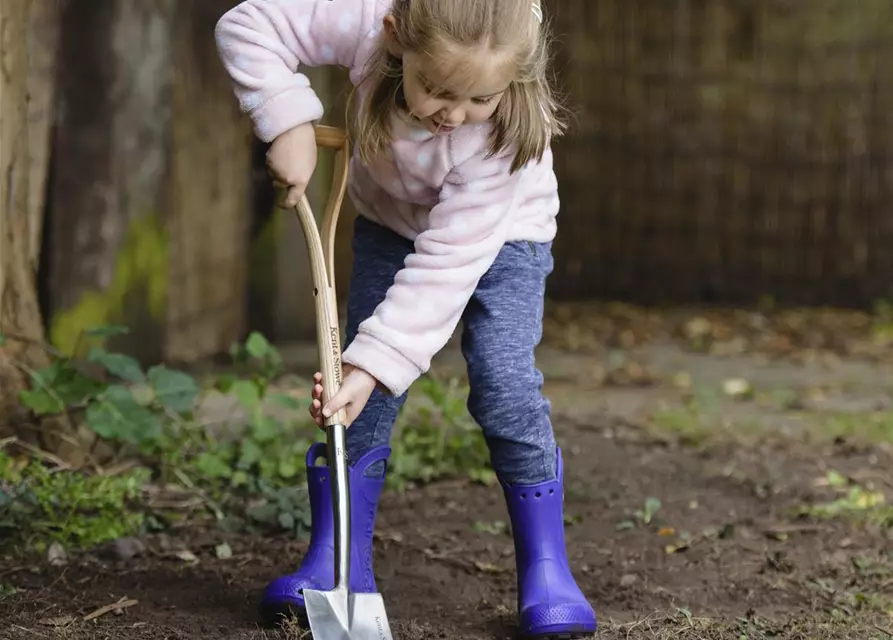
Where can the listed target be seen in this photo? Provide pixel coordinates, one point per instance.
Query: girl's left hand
(356, 387)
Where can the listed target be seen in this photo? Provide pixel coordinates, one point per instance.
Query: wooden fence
(725, 150)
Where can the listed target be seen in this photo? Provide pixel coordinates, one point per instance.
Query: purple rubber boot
(550, 604)
(284, 595)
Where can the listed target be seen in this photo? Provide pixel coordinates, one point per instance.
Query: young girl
(453, 180)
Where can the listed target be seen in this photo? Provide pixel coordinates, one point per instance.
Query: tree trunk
(43, 51)
(151, 182)
(108, 256)
(26, 26)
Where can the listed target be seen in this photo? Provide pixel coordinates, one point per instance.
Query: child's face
(443, 99)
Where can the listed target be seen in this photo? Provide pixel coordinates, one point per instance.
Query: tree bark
(109, 185)
(43, 50)
(24, 131)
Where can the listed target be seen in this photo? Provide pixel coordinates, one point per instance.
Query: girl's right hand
(291, 161)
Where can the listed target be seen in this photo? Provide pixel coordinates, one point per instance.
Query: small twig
(123, 603)
(888, 633)
(782, 529)
(444, 558)
(62, 436)
(59, 578)
(117, 469)
(184, 479)
(37, 451)
(39, 635)
(633, 626)
(213, 506)
(9, 572)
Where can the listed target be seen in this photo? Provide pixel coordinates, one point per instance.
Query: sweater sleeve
(262, 44)
(467, 229)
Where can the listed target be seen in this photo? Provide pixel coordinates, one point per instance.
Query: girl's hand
(353, 395)
(291, 161)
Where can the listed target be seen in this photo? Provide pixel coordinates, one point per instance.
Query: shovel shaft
(328, 340)
(336, 614)
(337, 443)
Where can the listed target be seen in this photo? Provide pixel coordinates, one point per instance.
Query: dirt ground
(727, 554)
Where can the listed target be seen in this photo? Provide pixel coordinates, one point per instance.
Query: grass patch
(854, 502)
(871, 428)
(698, 420)
(703, 415)
(685, 423)
(72, 508)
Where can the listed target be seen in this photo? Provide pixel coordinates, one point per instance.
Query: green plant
(855, 502)
(269, 453)
(438, 439)
(247, 474)
(685, 423)
(128, 405)
(73, 508)
(150, 417)
(643, 517)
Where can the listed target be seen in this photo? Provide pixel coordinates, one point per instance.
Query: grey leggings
(502, 326)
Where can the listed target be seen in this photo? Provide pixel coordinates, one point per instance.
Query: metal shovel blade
(342, 615)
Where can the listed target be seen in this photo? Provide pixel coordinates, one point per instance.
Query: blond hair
(529, 114)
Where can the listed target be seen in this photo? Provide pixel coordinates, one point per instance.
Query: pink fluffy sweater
(440, 191)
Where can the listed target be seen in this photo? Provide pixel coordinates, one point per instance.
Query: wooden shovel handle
(322, 265)
(330, 137)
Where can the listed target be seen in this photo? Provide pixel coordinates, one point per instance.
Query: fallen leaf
(737, 388)
(392, 536)
(223, 551)
(486, 567)
(497, 527)
(186, 555)
(628, 580)
(682, 380)
(676, 548)
(572, 519)
(56, 555)
(698, 328)
(123, 549)
(58, 621)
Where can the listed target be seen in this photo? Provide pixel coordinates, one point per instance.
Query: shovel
(337, 614)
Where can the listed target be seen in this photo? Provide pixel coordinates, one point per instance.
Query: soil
(751, 567)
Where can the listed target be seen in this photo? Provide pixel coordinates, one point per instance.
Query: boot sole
(558, 621)
(560, 635)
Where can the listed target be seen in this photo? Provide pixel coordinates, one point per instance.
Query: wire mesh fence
(725, 151)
